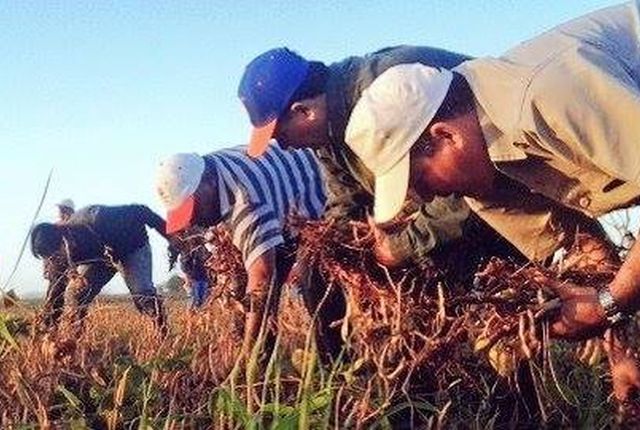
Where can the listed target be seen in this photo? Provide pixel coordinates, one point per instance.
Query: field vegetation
(462, 343)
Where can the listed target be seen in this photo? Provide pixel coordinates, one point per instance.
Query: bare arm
(595, 252)
(260, 291)
(625, 287)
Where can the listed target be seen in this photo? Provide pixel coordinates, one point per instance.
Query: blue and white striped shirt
(258, 194)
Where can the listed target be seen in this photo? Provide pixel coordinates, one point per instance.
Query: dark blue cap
(269, 82)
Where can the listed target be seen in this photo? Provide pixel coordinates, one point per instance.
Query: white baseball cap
(66, 203)
(388, 119)
(177, 179)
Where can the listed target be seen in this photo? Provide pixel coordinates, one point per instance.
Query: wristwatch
(611, 310)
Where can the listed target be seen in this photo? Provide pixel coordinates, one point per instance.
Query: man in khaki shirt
(551, 126)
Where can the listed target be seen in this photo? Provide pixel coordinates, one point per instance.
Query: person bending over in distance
(85, 252)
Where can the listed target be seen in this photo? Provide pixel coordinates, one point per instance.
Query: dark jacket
(94, 235)
(350, 184)
(121, 229)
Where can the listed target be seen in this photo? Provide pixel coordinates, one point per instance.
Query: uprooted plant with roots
(462, 339)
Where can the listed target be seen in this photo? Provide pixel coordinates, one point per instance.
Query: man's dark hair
(458, 101)
(46, 239)
(314, 83)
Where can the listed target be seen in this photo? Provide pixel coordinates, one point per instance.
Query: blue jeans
(135, 268)
(199, 292)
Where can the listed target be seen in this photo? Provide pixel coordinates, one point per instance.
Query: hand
(625, 372)
(383, 249)
(581, 315)
(625, 376)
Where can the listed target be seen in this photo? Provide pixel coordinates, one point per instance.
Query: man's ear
(303, 108)
(441, 130)
(448, 132)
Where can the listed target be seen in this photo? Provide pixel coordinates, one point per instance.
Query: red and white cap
(177, 180)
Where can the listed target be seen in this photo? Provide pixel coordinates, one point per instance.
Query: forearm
(260, 281)
(413, 240)
(346, 203)
(434, 224)
(625, 287)
(582, 314)
(153, 220)
(54, 271)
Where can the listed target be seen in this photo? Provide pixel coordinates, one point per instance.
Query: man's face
(435, 172)
(207, 208)
(304, 125)
(453, 161)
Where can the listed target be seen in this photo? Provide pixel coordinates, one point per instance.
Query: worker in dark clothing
(94, 244)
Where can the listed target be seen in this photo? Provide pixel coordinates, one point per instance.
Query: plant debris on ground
(460, 342)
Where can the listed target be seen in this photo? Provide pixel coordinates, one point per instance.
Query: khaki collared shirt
(561, 116)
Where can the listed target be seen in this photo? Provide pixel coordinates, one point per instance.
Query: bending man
(548, 128)
(93, 245)
(253, 199)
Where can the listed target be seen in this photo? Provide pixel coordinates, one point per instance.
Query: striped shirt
(258, 194)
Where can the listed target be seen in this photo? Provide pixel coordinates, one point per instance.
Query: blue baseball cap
(266, 88)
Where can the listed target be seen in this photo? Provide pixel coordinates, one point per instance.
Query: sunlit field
(416, 349)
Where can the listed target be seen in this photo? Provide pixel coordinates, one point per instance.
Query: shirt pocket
(562, 185)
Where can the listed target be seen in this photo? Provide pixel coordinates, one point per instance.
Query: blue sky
(101, 91)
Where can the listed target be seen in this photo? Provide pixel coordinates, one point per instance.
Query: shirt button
(584, 202)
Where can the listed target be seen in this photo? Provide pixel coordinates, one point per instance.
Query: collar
(499, 144)
(498, 90)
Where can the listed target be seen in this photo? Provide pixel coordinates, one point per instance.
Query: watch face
(606, 300)
(611, 310)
